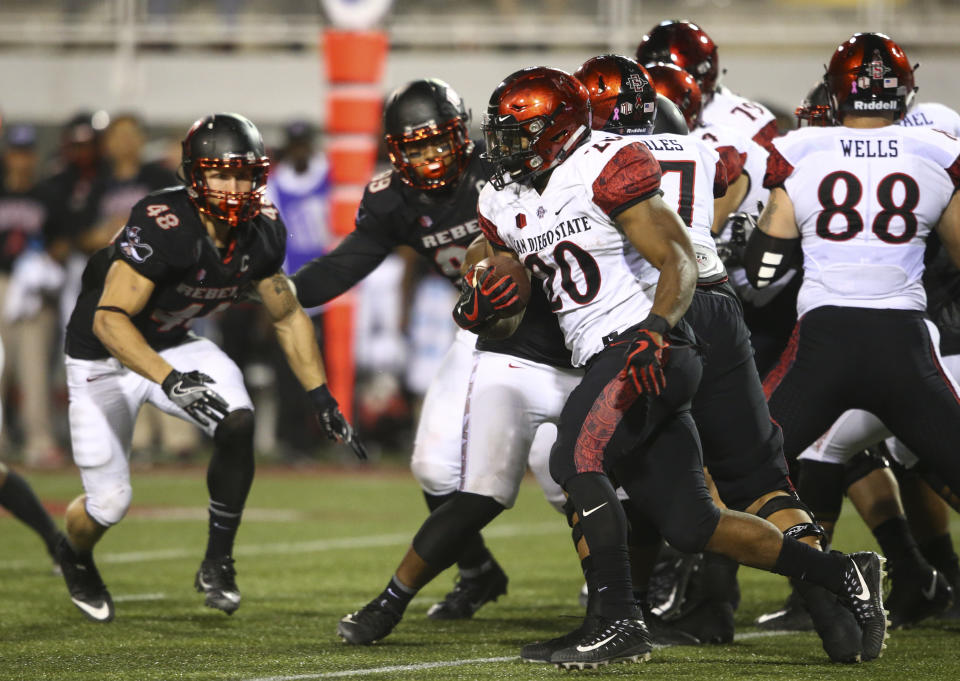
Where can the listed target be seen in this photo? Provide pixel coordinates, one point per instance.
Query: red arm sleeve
(765, 135)
(778, 169)
(631, 176)
(490, 232)
(720, 180)
(733, 161)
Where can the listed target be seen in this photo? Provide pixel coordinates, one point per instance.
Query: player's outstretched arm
(324, 278)
(659, 235)
(299, 344)
(774, 246)
(125, 293)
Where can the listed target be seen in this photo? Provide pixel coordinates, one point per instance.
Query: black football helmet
(224, 140)
(669, 118)
(427, 109)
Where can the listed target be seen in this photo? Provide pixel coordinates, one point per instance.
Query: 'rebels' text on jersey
(165, 241)
(865, 201)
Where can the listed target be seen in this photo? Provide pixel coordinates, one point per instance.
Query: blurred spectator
(28, 322)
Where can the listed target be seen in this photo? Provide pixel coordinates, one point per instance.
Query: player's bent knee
(689, 533)
(108, 507)
(235, 430)
(434, 478)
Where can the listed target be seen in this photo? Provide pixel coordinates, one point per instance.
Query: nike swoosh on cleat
(100, 613)
(771, 616)
(587, 649)
(231, 596)
(932, 591)
(864, 594)
(584, 514)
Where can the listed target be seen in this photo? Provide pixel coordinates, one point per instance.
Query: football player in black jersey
(185, 252)
(469, 471)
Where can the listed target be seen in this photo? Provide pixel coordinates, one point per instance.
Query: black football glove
(486, 299)
(645, 357)
(189, 392)
(731, 250)
(334, 425)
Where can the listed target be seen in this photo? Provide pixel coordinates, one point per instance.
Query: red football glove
(645, 359)
(485, 299)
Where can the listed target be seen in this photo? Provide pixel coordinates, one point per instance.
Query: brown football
(506, 266)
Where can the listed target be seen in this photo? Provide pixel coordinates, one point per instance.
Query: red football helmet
(621, 96)
(680, 88)
(534, 119)
(814, 111)
(869, 74)
(687, 45)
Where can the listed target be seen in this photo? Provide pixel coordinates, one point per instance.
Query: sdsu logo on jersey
(133, 248)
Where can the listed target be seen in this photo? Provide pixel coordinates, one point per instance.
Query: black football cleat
(835, 624)
(470, 594)
(217, 579)
(665, 634)
(913, 599)
(862, 594)
(793, 616)
(541, 651)
(87, 590)
(708, 622)
(370, 624)
(603, 641)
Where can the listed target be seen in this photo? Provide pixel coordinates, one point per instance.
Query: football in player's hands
(499, 266)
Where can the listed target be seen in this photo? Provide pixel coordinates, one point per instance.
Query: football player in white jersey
(863, 339)
(932, 115)
(688, 46)
(742, 446)
(571, 206)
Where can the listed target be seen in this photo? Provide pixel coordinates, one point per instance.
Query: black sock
(804, 562)
(604, 527)
(224, 523)
(17, 497)
(473, 554)
(396, 595)
(899, 547)
(939, 551)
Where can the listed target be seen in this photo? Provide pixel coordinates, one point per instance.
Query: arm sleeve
(324, 278)
(631, 176)
(778, 170)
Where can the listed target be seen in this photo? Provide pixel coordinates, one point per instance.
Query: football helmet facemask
(688, 46)
(425, 125)
(224, 140)
(869, 74)
(815, 110)
(621, 97)
(535, 118)
(679, 87)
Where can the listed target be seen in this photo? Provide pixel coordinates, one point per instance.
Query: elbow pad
(767, 258)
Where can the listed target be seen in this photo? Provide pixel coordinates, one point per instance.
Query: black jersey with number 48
(165, 241)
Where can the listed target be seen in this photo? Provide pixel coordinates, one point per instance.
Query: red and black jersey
(165, 241)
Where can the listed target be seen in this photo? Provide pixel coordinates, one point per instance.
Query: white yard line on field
(316, 546)
(127, 598)
(453, 663)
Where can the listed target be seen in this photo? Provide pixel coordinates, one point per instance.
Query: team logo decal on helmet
(869, 74)
(621, 96)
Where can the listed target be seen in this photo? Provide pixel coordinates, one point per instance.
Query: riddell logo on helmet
(875, 106)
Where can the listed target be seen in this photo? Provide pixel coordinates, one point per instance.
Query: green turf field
(316, 545)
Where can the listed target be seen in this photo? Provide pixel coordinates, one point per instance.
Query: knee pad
(780, 503)
(821, 485)
(864, 463)
(235, 431)
(690, 528)
(107, 507)
(440, 539)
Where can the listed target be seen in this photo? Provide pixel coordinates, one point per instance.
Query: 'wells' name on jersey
(859, 148)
